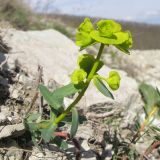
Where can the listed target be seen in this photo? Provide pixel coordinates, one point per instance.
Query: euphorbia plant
(107, 32)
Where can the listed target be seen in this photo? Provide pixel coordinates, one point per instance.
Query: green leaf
(65, 91)
(150, 96)
(86, 62)
(50, 97)
(125, 46)
(78, 76)
(86, 26)
(33, 126)
(68, 119)
(83, 38)
(156, 128)
(33, 117)
(43, 124)
(158, 91)
(60, 143)
(106, 28)
(55, 98)
(75, 122)
(101, 87)
(113, 80)
(116, 38)
(64, 145)
(31, 122)
(53, 114)
(100, 65)
(47, 133)
(123, 49)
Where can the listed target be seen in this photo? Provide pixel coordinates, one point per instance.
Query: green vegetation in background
(20, 16)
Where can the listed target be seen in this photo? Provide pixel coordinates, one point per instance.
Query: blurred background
(141, 17)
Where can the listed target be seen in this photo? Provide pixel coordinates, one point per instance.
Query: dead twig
(154, 145)
(39, 79)
(3, 63)
(78, 148)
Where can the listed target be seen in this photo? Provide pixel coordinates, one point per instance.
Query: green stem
(137, 136)
(89, 78)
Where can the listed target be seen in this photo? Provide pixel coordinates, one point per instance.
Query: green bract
(113, 80)
(83, 38)
(108, 32)
(115, 38)
(78, 76)
(127, 44)
(86, 26)
(106, 28)
(86, 62)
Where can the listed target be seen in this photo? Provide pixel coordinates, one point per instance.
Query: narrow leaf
(59, 94)
(102, 88)
(48, 96)
(66, 90)
(75, 122)
(60, 143)
(55, 98)
(150, 96)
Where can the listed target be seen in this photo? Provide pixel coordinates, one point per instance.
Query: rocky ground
(25, 57)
